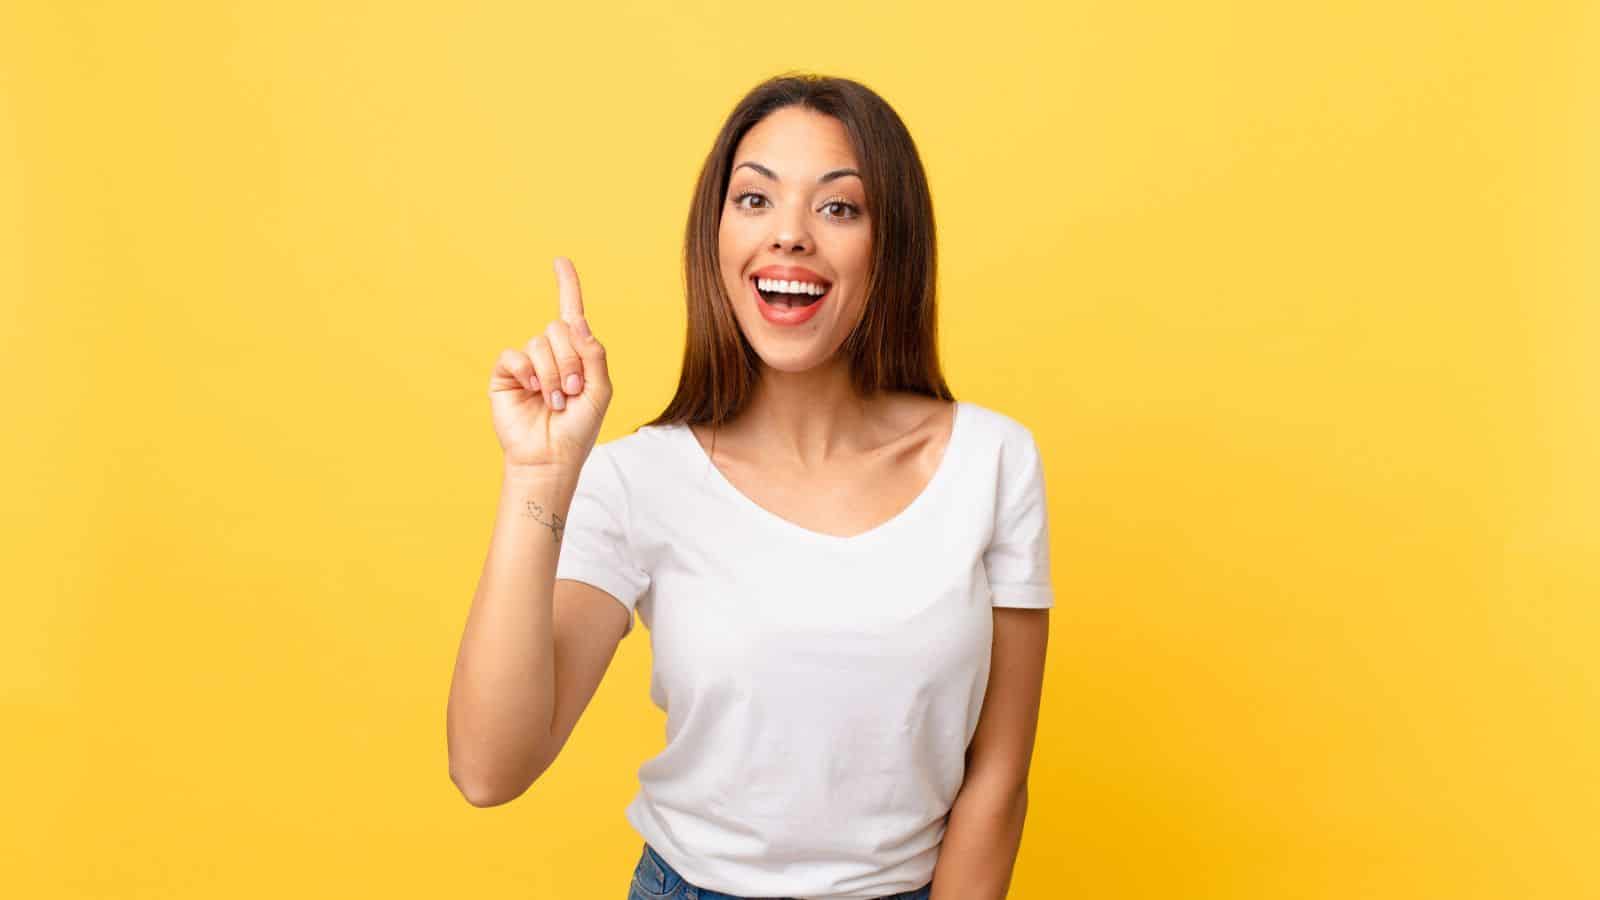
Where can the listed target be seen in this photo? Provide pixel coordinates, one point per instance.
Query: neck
(808, 418)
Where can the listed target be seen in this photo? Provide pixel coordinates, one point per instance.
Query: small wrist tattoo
(536, 512)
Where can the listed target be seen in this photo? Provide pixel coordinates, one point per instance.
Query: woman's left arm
(984, 830)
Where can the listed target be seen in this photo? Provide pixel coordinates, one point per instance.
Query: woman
(827, 548)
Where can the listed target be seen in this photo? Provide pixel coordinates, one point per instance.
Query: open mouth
(791, 295)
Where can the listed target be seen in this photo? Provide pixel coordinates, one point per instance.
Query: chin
(789, 368)
(795, 363)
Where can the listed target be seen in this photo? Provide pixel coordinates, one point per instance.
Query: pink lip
(777, 315)
(791, 273)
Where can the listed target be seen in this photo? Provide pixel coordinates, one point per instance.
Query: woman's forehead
(797, 143)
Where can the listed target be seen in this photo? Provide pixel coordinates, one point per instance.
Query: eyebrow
(825, 177)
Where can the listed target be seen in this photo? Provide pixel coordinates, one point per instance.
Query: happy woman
(844, 571)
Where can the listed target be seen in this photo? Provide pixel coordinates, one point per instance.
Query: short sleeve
(1017, 560)
(594, 540)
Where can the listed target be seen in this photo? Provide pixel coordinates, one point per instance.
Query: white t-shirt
(820, 691)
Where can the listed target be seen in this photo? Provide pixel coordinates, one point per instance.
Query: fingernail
(574, 383)
(582, 327)
(533, 383)
(557, 401)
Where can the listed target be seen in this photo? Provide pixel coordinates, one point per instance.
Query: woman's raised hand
(549, 398)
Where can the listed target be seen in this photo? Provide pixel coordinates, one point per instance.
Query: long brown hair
(894, 346)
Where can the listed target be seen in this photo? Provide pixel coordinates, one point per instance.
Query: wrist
(550, 477)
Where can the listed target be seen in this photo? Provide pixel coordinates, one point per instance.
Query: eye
(853, 210)
(737, 201)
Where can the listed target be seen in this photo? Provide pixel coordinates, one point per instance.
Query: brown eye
(850, 207)
(736, 200)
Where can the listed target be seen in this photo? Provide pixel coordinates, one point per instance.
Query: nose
(790, 231)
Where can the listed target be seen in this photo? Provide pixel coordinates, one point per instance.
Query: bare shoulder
(917, 421)
(909, 412)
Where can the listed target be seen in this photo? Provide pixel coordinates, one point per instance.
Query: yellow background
(1302, 303)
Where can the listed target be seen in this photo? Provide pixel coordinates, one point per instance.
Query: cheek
(728, 257)
(732, 246)
(853, 250)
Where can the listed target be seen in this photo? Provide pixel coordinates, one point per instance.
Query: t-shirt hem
(1023, 596)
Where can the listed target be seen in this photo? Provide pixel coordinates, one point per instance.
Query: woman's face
(796, 211)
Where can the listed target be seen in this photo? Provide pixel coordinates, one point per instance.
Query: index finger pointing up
(571, 294)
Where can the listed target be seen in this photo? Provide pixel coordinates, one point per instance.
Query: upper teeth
(790, 287)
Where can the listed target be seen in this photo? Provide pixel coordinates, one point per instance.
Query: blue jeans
(653, 879)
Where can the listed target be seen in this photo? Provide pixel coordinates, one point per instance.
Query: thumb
(592, 352)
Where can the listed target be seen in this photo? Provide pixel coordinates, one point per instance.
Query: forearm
(980, 846)
(502, 694)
